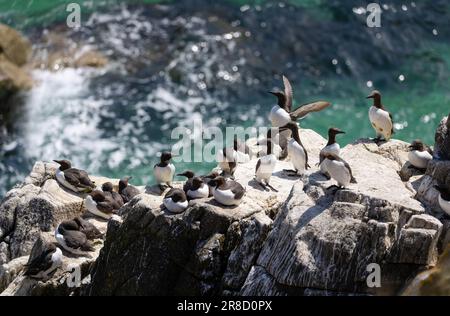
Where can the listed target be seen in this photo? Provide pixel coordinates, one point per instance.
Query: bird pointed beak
(369, 96)
(57, 161)
(341, 132)
(273, 92)
(180, 174)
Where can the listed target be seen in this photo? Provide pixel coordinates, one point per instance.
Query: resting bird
(175, 201)
(380, 118)
(419, 155)
(70, 238)
(229, 192)
(88, 229)
(339, 170)
(97, 204)
(73, 179)
(108, 190)
(45, 263)
(126, 191)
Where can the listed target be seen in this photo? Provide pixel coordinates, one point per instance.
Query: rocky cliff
(304, 240)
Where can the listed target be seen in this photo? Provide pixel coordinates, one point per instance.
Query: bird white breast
(381, 122)
(297, 155)
(56, 261)
(202, 192)
(338, 172)
(266, 168)
(445, 205)
(329, 149)
(175, 207)
(225, 197)
(62, 180)
(164, 175)
(279, 117)
(91, 206)
(419, 159)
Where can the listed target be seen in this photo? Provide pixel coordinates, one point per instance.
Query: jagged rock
(9, 271)
(325, 242)
(37, 205)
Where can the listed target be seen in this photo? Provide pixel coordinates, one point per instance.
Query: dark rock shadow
(255, 185)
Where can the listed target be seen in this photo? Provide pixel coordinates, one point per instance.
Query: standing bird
(97, 204)
(67, 235)
(442, 140)
(266, 165)
(282, 113)
(108, 190)
(339, 170)
(73, 179)
(164, 171)
(44, 264)
(380, 118)
(229, 192)
(444, 198)
(175, 201)
(127, 191)
(419, 155)
(197, 189)
(296, 150)
(331, 147)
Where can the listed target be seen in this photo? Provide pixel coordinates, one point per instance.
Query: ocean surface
(173, 62)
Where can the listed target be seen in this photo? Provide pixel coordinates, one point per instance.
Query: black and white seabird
(380, 118)
(164, 171)
(73, 179)
(282, 113)
(442, 140)
(229, 192)
(44, 264)
(97, 204)
(297, 152)
(227, 159)
(108, 190)
(189, 175)
(198, 189)
(419, 155)
(208, 179)
(69, 237)
(88, 229)
(127, 191)
(444, 198)
(339, 170)
(176, 201)
(266, 165)
(332, 147)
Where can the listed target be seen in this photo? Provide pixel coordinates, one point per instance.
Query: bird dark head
(178, 196)
(417, 145)
(63, 164)
(123, 183)
(335, 131)
(212, 175)
(98, 196)
(197, 182)
(280, 96)
(217, 181)
(166, 156)
(374, 95)
(188, 174)
(107, 187)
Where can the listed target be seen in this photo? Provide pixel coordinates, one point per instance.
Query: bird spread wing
(289, 94)
(304, 110)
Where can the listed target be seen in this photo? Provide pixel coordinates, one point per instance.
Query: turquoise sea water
(173, 61)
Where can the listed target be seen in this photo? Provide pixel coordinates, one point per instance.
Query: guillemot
(419, 155)
(97, 204)
(164, 171)
(297, 152)
(88, 228)
(227, 159)
(108, 190)
(380, 118)
(339, 170)
(331, 147)
(442, 140)
(266, 165)
(175, 201)
(73, 179)
(43, 265)
(127, 191)
(69, 237)
(282, 113)
(208, 179)
(444, 198)
(229, 192)
(189, 176)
